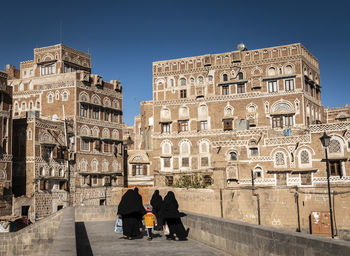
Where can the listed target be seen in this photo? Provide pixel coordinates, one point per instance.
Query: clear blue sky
(124, 37)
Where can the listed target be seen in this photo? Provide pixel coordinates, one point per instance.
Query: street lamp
(325, 140)
(129, 142)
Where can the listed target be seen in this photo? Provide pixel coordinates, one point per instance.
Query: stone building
(57, 88)
(226, 116)
(339, 114)
(5, 146)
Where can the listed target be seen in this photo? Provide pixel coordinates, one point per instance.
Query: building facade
(239, 113)
(5, 146)
(58, 88)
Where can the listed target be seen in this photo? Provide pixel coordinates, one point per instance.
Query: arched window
(41, 171)
(172, 83)
(16, 106)
(94, 165)
(57, 95)
(29, 133)
(50, 98)
(105, 166)
(304, 157)
(115, 134)
(200, 80)
(192, 80)
(185, 148)
(52, 172)
(166, 148)
(210, 78)
(65, 96)
(334, 147)
(224, 77)
(23, 106)
(279, 159)
(83, 165)
(271, 71)
(61, 173)
(204, 147)
(31, 105)
(240, 75)
(38, 104)
(183, 81)
(233, 156)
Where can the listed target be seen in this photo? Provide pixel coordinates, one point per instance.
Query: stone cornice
(219, 98)
(98, 123)
(105, 91)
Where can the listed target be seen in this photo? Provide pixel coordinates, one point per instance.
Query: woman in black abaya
(130, 208)
(172, 217)
(157, 202)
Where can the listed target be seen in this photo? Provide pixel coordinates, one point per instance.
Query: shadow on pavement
(82, 240)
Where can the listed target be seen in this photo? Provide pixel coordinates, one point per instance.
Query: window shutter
(54, 153)
(198, 125)
(133, 170)
(46, 185)
(42, 187)
(65, 154)
(65, 186)
(178, 126)
(144, 166)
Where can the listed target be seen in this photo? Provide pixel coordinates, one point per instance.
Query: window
(204, 161)
(84, 145)
(240, 88)
(277, 121)
(240, 75)
(335, 167)
(200, 79)
(272, 86)
(65, 96)
(165, 127)
(254, 151)
(183, 125)
(225, 90)
(166, 161)
(183, 81)
(115, 117)
(233, 156)
(204, 125)
(23, 106)
(106, 115)
(224, 77)
(257, 173)
(288, 120)
(183, 94)
(304, 157)
(169, 180)
(334, 147)
(305, 179)
(227, 124)
(172, 82)
(138, 169)
(38, 104)
(106, 147)
(279, 159)
(192, 80)
(289, 85)
(41, 171)
(281, 179)
(83, 110)
(210, 78)
(95, 113)
(94, 180)
(47, 69)
(47, 152)
(185, 162)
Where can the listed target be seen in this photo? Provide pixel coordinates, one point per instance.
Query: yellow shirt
(149, 220)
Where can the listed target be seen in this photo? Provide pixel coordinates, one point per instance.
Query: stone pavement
(99, 238)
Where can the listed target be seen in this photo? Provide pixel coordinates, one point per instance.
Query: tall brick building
(5, 146)
(237, 112)
(72, 120)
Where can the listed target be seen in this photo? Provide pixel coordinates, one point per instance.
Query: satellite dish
(241, 47)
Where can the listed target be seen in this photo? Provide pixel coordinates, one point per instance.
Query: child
(149, 222)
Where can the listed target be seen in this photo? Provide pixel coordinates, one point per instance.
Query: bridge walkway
(98, 238)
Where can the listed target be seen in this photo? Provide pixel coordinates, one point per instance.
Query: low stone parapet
(96, 213)
(240, 238)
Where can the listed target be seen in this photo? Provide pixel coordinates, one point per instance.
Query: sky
(125, 37)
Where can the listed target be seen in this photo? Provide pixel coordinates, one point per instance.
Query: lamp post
(129, 142)
(325, 140)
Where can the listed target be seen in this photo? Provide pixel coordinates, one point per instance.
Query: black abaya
(171, 216)
(157, 202)
(130, 208)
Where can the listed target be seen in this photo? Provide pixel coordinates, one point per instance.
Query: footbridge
(89, 230)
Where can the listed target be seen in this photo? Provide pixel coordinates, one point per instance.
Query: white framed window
(289, 85)
(50, 98)
(272, 85)
(280, 159)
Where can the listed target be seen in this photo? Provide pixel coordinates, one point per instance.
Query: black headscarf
(130, 203)
(136, 189)
(170, 206)
(156, 201)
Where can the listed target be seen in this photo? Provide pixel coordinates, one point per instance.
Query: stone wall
(95, 213)
(32, 239)
(278, 206)
(239, 238)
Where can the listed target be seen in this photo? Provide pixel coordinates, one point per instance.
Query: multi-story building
(239, 112)
(56, 95)
(5, 146)
(339, 114)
